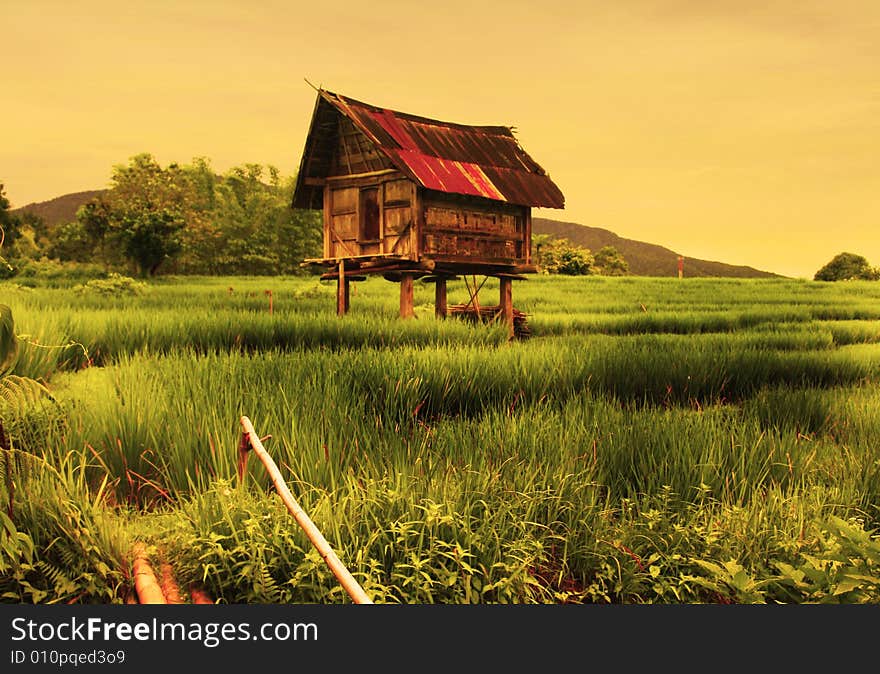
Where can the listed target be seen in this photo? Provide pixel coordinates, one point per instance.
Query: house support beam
(406, 295)
(440, 308)
(342, 291)
(505, 301)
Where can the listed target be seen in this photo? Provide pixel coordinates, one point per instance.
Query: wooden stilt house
(410, 197)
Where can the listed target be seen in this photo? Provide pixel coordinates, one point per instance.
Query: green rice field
(667, 441)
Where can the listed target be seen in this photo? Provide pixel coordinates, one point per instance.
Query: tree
(8, 222)
(150, 237)
(8, 233)
(847, 267)
(300, 231)
(94, 216)
(32, 239)
(257, 231)
(72, 243)
(84, 239)
(201, 239)
(609, 262)
(247, 218)
(148, 208)
(22, 236)
(561, 256)
(5, 216)
(539, 243)
(188, 219)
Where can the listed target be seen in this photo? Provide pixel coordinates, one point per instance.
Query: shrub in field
(115, 285)
(561, 256)
(840, 565)
(241, 547)
(610, 262)
(60, 544)
(545, 546)
(52, 273)
(246, 548)
(16, 288)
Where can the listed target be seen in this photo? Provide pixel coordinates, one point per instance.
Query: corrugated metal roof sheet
(482, 161)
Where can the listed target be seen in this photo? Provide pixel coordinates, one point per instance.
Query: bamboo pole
(250, 440)
(145, 582)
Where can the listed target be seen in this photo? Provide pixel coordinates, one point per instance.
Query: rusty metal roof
(481, 161)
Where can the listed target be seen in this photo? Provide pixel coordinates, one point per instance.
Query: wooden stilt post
(342, 286)
(406, 296)
(440, 297)
(506, 302)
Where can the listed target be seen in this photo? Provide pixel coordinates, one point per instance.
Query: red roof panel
(446, 175)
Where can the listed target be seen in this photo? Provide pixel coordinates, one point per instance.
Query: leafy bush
(114, 285)
(561, 256)
(73, 549)
(847, 267)
(52, 273)
(608, 261)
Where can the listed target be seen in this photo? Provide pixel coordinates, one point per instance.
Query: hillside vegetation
(61, 209)
(644, 259)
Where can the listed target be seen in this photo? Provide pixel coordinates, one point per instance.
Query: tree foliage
(847, 267)
(8, 232)
(71, 243)
(147, 208)
(188, 219)
(561, 256)
(6, 219)
(22, 236)
(609, 261)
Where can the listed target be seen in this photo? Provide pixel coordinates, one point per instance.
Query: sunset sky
(743, 131)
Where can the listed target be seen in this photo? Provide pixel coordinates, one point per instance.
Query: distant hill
(61, 209)
(644, 259)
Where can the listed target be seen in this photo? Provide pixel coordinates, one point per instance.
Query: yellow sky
(744, 131)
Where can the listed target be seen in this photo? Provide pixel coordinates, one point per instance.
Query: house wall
(370, 215)
(377, 214)
(457, 227)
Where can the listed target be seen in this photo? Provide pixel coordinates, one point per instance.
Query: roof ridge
(502, 129)
(481, 161)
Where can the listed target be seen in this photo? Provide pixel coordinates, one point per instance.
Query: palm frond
(18, 392)
(8, 340)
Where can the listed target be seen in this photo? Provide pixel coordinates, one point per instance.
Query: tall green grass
(656, 440)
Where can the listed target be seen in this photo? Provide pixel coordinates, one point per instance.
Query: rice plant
(656, 440)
